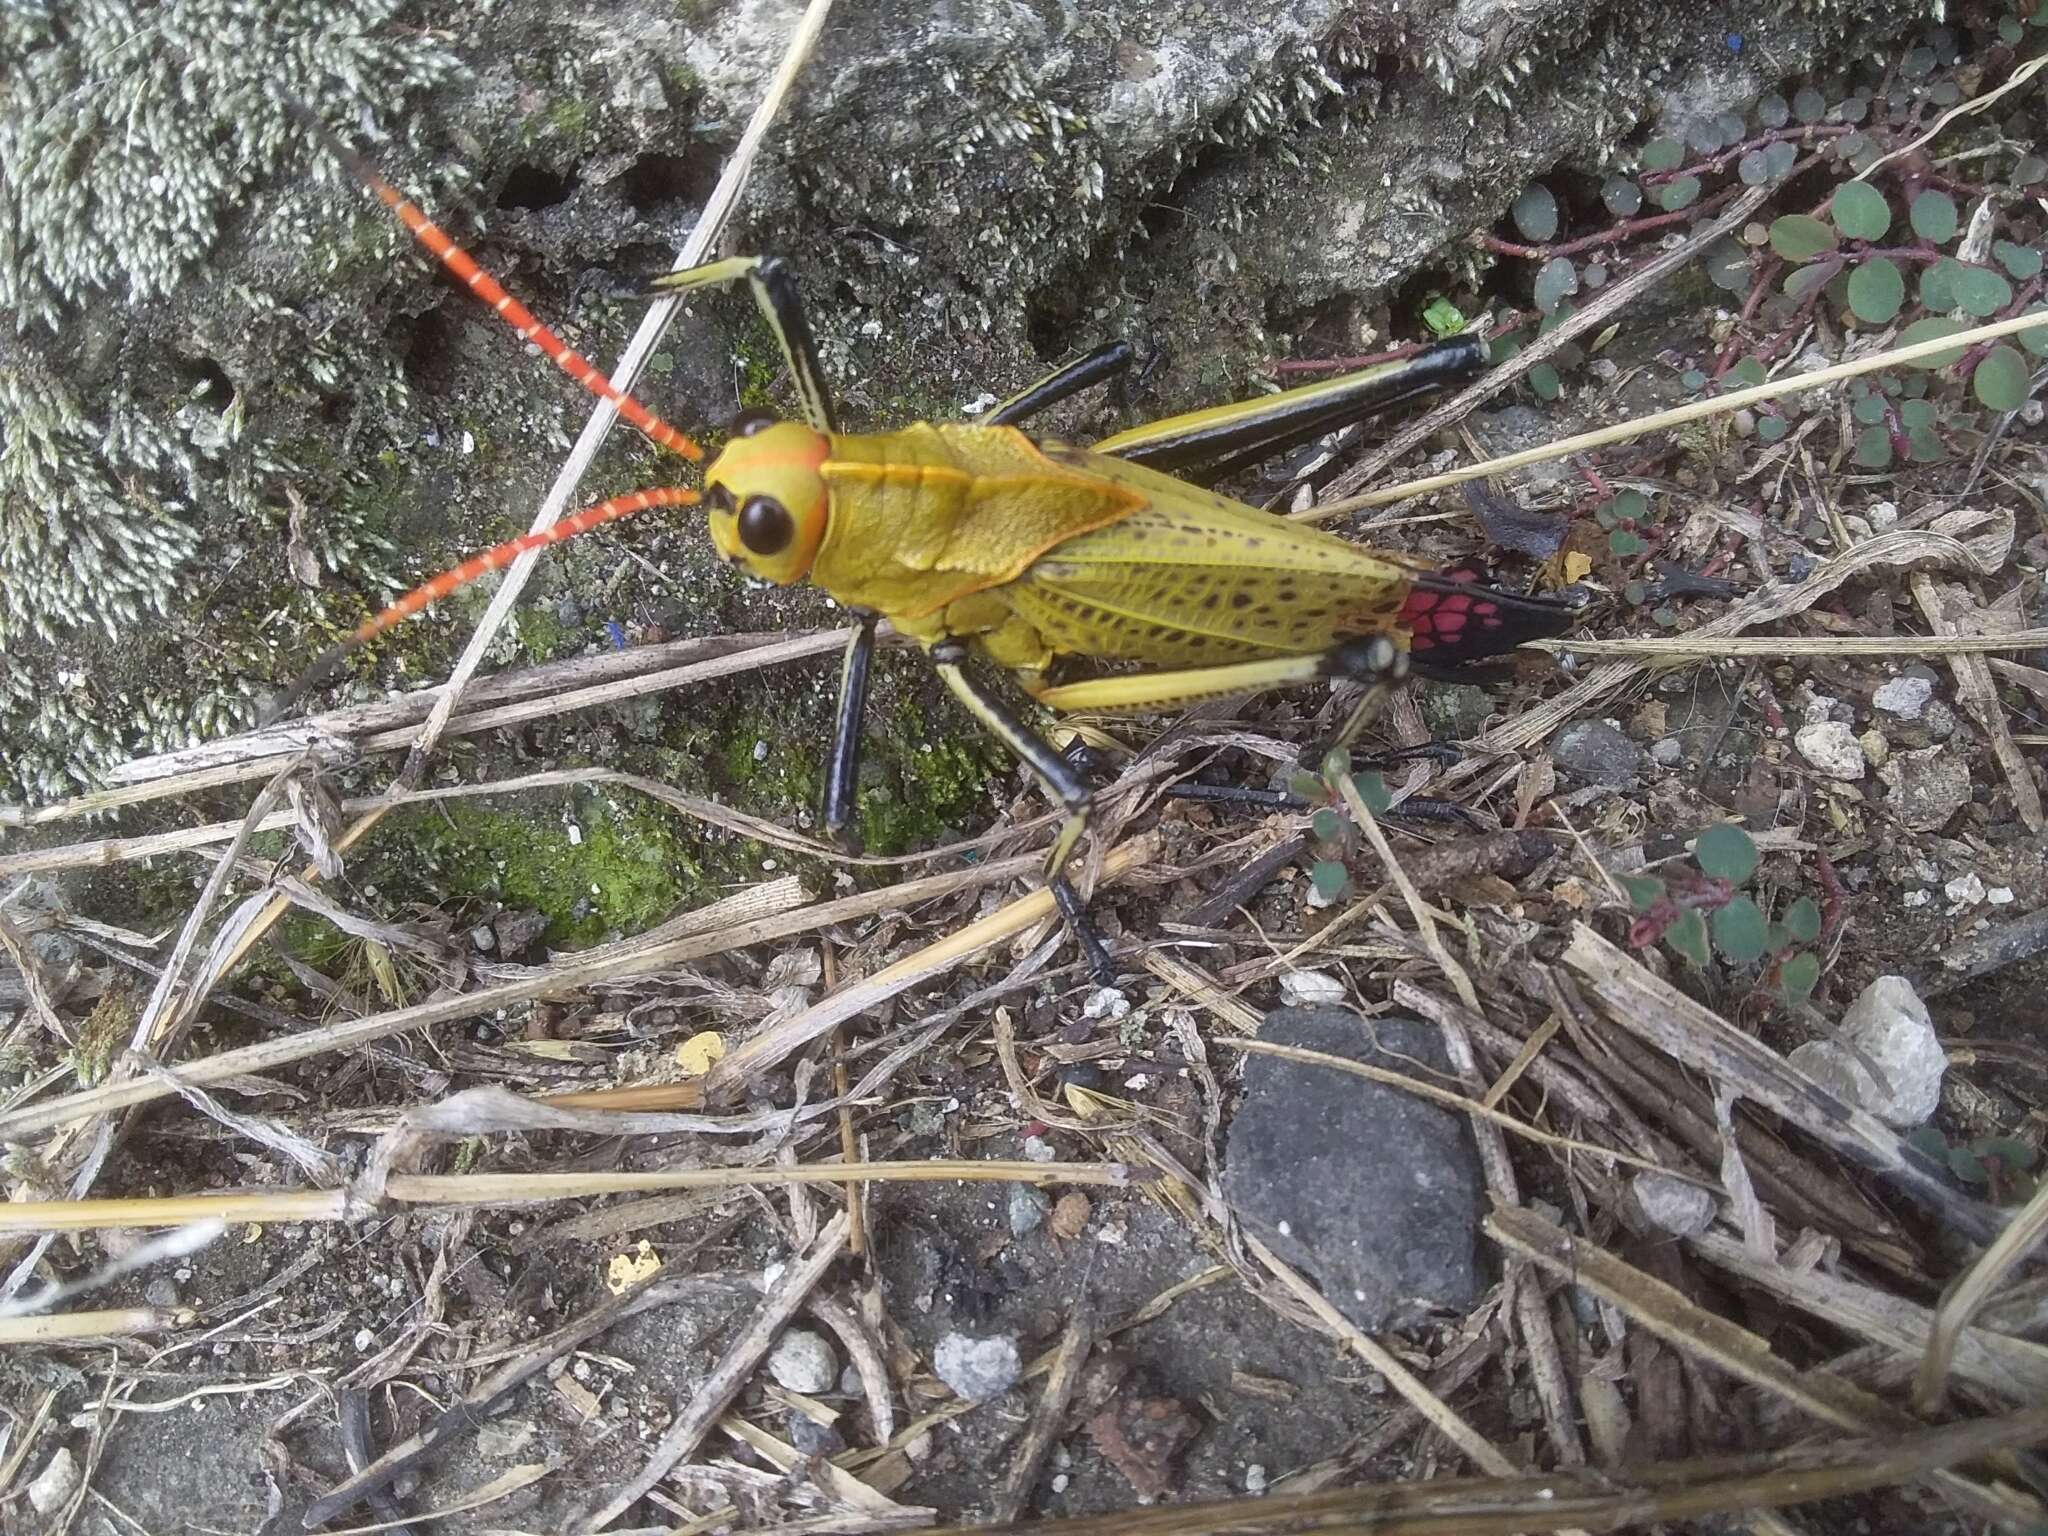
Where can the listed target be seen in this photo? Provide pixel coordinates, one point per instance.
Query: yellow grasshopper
(1033, 550)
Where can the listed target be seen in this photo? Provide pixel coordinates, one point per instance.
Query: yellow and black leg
(1219, 441)
(775, 294)
(1061, 781)
(1084, 373)
(842, 767)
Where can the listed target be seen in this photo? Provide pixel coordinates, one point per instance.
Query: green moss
(626, 868)
(931, 786)
(541, 633)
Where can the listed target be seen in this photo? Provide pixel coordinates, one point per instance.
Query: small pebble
(760, 751)
(1999, 895)
(161, 1292)
(54, 1486)
(1105, 1003)
(1905, 696)
(1669, 751)
(482, 938)
(978, 1369)
(1310, 989)
(1255, 1479)
(803, 1362)
(1038, 1150)
(811, 1437)
(1673, 1204)
(1887, 1027)
(1596, 752)
(1028, 1209)
(1059, 1483)
(1964, 890)
(1831, 748)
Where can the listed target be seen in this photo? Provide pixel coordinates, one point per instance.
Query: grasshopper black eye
(765, 526)
(752, 420)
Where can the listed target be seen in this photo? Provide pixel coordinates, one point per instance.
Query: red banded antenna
(492, 292)
(431, 592)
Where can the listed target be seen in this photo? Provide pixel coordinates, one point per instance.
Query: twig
(474, 1407)
(2012, 82)
(1047, 1415)
(1968, 1294)
(1611, 301)
(1714, 648)
(1640, 426)
(709, 1402)
(611, 962)
(1711, 1339)
(106, 1323)
(1979, 694)
(1425, 924)
(517, 1189)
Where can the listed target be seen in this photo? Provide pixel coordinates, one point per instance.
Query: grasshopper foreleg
(842, 768)
(1060, 778)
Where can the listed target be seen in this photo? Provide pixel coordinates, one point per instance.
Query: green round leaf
(1643, 890)
(1773, 110)
(1693, 379)
(1555, 280)
(1535, 214)
(1923, 447)
(1802, 920)
(1372, 789)
(1306, 786)
(1781, 157)
(1915, 414)
(1443, 317)
(1739, 931)
(1933, 216)
(1665, 617)
(2035, 337)
(2029, 169)
(1330, 878)
(1625, 544)
(1869, 410)
(1606, 516)
(1873, 448)
(1726, 852)
(1981, 291)
(1963, 1163)
(1918, 63)
(1938, 284)
(1746, 374)
(1770, 429)
(2000, 381)
(2010, 31)
(1336, 765)
(1800, 236)
(1729, 127)
(1682, 193)
(1622, 196)
(1327, 825)
(1860, 211)
(1688, 937)
(1930, 329)
(1665, 154)
(1595, 275)
(1928, 1141)
(1876, 290)
(1754, 168)
(1801, 281)
(1808, 105)
(1728, 265)
(1797, 978)
(1632, 504)
(2022, 261)
(2009, 1150)
(1544, 381)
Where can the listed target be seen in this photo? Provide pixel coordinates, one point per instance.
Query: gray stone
(51, 1489)
(1375, 1193)
(1904, 696)
(804, 1362)
(1885, 1058)
(1925, 788)
(978, 1369)
(1595, 752)
(1027, 1209)
(1831, 748)
(1674, 1204)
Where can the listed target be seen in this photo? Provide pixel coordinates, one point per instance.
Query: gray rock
(1904, 696)
(1027, 1209)
(1594, 752)
(803, 1362)
(1925, 788)
(1674, 1204)
(52, 1488)
(1831, 748)
(1374, 1192)
(1885, 1059)
(978, 1369)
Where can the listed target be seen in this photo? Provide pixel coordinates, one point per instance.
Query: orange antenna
(492, 292)
(476, 566)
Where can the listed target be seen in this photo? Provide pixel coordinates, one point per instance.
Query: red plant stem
(1593, 478)
(1805, 133)
(1732, 350)
(1502, 326)
(1832, 899)
(1626, 229)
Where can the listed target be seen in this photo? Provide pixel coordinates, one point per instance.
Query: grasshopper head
(767, 501)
